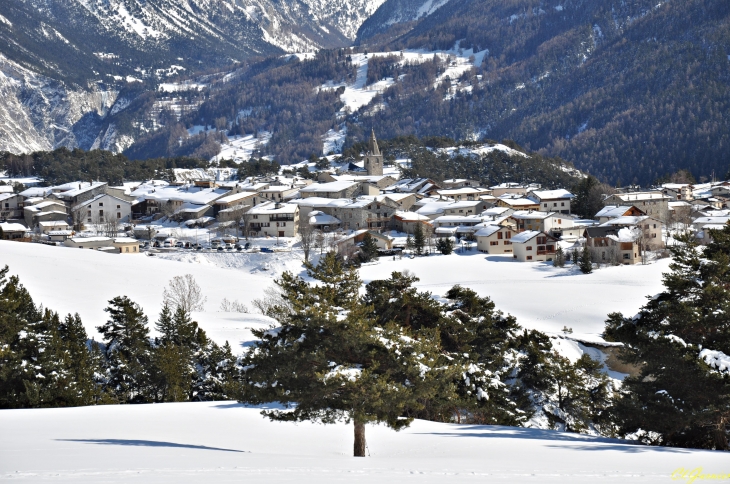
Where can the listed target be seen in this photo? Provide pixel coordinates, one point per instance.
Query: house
(556, 224)
(11, 206)
(508, 188)
(465, 193)
(553, 200)
(610, 212)
(337, 189)
(533, 245)
(44, 211)
(520, 203)
(362, 212)
(50, 226)
(126, 245)
(678, 191)
(613, 245)
(349, 244)
(13, 231)
(273, 219)
(649, 227)
(278, 193)
(74, 193)
(459, 183)
(103, 208)
(225, 208)
(404, 201)
(59, 235)
(322, 221)
(466, 207)
(186, 200)
(419, 186)
(655, 204)
(494, 239)
(95, 243)
(406, 222)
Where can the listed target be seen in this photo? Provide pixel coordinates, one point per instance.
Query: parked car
(220, 249)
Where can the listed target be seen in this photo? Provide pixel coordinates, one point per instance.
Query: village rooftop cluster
(203, 212)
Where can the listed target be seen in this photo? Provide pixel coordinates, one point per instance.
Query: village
(200, 211)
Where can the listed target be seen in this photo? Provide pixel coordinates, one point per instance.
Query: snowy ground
(538, 295)
(226, 442)
(240, 148)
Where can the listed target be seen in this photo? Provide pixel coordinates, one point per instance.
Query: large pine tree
(680, 342)
(331, 361)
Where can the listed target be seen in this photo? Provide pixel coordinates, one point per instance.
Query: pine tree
(332, 361)
(559, 260)
(586, 261)
(128, 350)
(409, 243)
(419, 239)
(445, 245)
(680, 395)
(369, 249)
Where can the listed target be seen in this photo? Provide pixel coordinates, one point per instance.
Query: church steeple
(374, 143)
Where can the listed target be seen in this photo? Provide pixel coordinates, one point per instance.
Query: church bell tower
(373, 158)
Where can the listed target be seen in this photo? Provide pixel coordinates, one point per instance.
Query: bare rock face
(38, 113)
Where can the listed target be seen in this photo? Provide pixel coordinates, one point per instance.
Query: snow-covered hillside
(540, 296)
(394, 12)
(226, 442)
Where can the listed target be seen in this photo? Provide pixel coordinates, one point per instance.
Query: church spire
(374, 143)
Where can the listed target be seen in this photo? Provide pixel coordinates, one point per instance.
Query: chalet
(649, 227)
(13, 231)
(349, 245)
(654, 204)
(553, 200)
(225, 208)
(467, 207)
(278, 193)
(459, 183)
(419, 186)
(556, 224)
(533, 245)
(494, 239)
(461, 194)
(610, 212)
(613, 245)
(322, 221)
(273, 219)
(11, 206)
(406, 221)
(519, 203)
(72, 194)
(126, 245)
(47, 227)
(338, 189)
(103, 208)
(678, 191)
(44, 211)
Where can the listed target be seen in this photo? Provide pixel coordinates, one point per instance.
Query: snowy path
(225, 442)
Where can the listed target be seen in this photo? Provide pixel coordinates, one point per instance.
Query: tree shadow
(147, 443)
(490, 432)
(263, 406)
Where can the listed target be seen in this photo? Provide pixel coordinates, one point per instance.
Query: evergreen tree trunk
(359, 439)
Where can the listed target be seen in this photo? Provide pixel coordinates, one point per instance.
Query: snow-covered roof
(487, 231)
(627, 220)
(641, 196)
(76, 188)
(336, 186)
(456, 219)
(450, 192)
(411, 216)
(531, 215)
(270, 208)
(186, 193)
(560, 194)
(7, 196)
(6, 189)
(626, 234)
(613, 211)
(12, 227)
(320, 218)
(125, 240)
(432, 208)
(711, 220)
(517, 202)
(234, 197)
(101, 195)
(36, 192)
(53, 223)
(525, 236)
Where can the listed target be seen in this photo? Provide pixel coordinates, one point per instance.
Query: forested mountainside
(626, 90)
(63, 65)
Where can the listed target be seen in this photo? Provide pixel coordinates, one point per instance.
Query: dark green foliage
(128, 350)
(419, 239)
(331, 359)
(586, 261)
(260, 167)
(677, 398)
(559, 260)
(588, 199)
(368, 249)
(44, 362)
(445, 245)
(63, 166)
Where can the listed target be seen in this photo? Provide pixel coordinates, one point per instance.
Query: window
(119, 215)
(555, 204)
(255, 216)
(562, 204)
(541, 240)
(653, 236)
(560, 220)
(507, 242)
(126, 249)
(529, 247)
(493, 242)
(626, 256)
(544, 205)
(529, 257)
(654, 225)
(118, 207)
(101, 204)
(508, 235)
(101, 213)
(499, 235)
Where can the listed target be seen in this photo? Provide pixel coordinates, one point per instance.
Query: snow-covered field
(538, 295)
(240, 148)
(226, 442)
